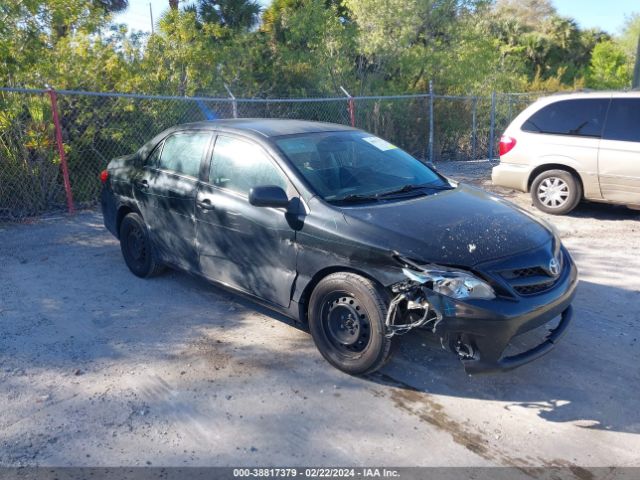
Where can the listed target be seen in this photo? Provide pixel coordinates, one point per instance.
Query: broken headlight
(454, 284)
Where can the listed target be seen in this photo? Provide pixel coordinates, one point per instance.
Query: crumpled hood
(460, 227)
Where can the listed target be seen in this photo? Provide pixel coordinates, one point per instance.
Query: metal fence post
(430, 121)
(351, 107)
(492, 127)
(474, 129)
(63, 158)
(234, 104)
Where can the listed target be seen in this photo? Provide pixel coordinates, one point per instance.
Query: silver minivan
(570, 147)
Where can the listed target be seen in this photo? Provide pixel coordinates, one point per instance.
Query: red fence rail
(63, 158)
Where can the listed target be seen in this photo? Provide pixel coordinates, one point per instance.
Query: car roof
(254, 127)
(591, 94)
(542, 102)
(266, 127)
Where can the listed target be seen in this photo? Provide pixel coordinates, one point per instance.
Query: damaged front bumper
(480, 332)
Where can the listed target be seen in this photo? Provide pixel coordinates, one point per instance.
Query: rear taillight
(506, 144)
(104, 176)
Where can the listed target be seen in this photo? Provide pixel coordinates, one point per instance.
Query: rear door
(619, 155)
(250, 248)
(166, 192)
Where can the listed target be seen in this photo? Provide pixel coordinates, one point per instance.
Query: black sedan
(342, 230)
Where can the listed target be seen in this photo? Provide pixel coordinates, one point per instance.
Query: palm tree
(112, 6)
(235, 14)
(563, 31)
(536, 49)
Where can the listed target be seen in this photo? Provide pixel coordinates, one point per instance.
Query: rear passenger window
(239, 165)
(580, 117)
(623, 120)
(152, 160)
(183, 152)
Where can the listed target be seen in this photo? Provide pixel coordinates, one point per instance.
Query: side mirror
(268, 196)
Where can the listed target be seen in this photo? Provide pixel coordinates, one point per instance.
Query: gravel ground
(100, 368)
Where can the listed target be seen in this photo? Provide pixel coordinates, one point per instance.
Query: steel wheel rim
(136, 246)
(345, 323)
(553, 192)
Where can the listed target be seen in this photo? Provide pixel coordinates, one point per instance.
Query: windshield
(343, 166)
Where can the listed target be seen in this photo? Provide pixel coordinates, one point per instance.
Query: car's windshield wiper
(356, 198)
(411, 187)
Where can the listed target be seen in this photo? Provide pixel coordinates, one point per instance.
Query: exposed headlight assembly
(454, 284)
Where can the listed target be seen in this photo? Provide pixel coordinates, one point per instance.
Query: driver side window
(239, 165)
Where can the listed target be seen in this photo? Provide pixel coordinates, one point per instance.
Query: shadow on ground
(77, 327)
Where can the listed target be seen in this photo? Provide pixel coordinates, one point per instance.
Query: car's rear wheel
(556, 192)
(346, 319)
(136, 247)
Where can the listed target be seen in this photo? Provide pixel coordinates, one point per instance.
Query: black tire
(346, 319)
(565, 188)
(136, 247)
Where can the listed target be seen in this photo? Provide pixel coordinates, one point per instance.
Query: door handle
(205, 204)
(142, 184)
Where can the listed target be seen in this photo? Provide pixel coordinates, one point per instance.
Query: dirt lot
(99, 367)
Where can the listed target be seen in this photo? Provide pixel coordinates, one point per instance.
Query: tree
(112, 6)
(630, 35)
(309, 46)
(530, 13)
(609, 67)
(234, 14)
(179, 58)
(35, 36)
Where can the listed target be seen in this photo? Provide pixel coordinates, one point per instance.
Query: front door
(250, 248)
(619, 154)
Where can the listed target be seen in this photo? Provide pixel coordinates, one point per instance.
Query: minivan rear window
(623, 120)
(578, 117)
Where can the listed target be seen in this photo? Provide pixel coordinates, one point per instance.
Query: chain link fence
(96, 127)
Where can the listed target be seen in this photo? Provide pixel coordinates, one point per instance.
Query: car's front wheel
(346, 318)
(556, 192)
(136, 247)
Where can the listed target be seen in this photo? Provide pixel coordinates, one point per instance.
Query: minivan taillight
(104, 176)
(506, 144)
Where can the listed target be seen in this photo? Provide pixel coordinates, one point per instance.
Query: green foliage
(234, 14)
(309, 48)
(631, 35)
(291, 48)
(547, 46)
(305, 47)
(609, 67)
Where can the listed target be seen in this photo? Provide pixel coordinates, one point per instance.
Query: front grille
(530, 280)
(528, 272)
(533, 289)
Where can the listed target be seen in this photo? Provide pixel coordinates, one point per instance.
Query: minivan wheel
(346, 319)
(556, 192)
(136, 247)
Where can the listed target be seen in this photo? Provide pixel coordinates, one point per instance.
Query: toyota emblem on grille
(554, 267)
